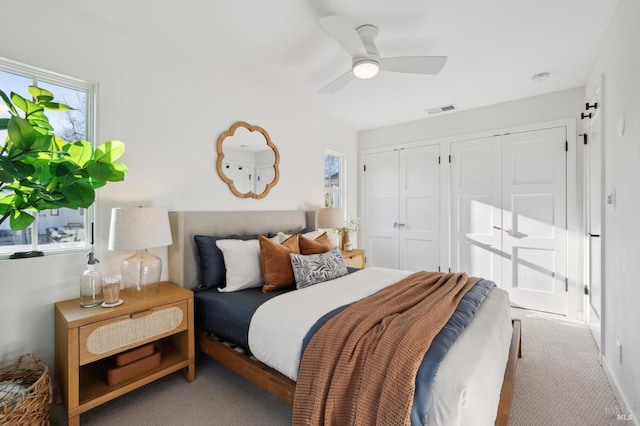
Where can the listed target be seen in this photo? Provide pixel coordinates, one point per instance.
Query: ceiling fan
(360, 44)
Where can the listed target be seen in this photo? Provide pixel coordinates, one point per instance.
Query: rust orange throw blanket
(360, 367)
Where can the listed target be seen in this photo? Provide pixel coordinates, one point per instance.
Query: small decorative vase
(345, 240)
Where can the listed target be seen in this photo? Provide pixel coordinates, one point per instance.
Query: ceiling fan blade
(342, 30)
(414, 64)
(338, 83)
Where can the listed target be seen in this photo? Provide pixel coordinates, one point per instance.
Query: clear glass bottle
(91, 284)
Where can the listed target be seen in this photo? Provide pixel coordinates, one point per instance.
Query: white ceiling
(493, 48)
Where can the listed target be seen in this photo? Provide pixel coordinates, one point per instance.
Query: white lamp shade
(136, 228)
(330, 217)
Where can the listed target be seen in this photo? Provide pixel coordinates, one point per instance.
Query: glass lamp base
(141, 271)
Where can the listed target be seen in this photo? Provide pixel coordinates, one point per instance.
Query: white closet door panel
(419, 194)
(381, 192)
(476, 207)
(534, 219)
(477, 260)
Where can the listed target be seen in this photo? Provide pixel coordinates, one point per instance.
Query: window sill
(5, 254)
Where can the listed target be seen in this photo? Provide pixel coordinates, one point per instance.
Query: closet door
(476, 214)
(381, 209)
(534, 223)
(402, 203)
(419, 196)
(509, 214)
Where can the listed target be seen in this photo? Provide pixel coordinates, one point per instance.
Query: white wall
(619, 61)
(550, 107)
(169, 111)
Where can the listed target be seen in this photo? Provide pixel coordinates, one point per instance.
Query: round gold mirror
(248, 160)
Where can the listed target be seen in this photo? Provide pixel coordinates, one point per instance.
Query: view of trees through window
(334, 179)
(59, 228)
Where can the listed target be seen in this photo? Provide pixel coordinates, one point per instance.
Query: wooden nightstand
(355, 258)
(87, 337)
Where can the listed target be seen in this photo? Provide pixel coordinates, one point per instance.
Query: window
(334, 179)
(59, 229)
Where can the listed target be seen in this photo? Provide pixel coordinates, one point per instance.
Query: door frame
(598, 331)
(575, 224)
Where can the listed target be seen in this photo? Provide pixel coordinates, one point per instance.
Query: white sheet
(279, 325)
(467, 388)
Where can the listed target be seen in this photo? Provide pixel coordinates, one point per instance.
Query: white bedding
(279, 325)
(467, 387)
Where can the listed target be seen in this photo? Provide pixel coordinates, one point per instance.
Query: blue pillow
(211, 269)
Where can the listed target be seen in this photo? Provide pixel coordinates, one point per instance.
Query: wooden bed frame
(284, 388)
(183, 270)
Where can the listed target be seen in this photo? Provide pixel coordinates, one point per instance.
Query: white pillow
(242, 262)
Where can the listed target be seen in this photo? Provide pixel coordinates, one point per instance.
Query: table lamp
(330, 217)
(139, 228)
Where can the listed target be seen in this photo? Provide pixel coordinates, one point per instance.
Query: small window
(334, 179)
(58, 229)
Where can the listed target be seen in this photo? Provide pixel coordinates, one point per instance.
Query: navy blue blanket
(440, 345)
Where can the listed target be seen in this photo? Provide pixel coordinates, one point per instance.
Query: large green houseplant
(41, 171)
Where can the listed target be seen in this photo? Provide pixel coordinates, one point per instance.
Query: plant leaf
(3, 123)
(100, 171)
(119, 171)
(8, 102)
(42, 143)
(59, 143)
(40, 120)
(80, 152)
(109, 151)
(5, 176)
(16, 169)
(81, 194)
(64, 169)
(25, 105)
(20, 220)
(21, 133)
(6, 204)
(55, 106)
(42, 95)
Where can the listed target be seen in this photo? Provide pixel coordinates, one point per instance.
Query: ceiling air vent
(444, 108)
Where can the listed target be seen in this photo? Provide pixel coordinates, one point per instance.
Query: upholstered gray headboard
(183, 266)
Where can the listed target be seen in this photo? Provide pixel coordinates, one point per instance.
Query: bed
(453, 400)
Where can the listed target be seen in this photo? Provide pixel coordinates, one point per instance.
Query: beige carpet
(216, 397)
(558, 382)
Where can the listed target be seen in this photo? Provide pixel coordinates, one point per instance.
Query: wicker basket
(25, 392)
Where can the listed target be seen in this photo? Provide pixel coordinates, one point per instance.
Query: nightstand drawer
(354, 258)
(114, 335)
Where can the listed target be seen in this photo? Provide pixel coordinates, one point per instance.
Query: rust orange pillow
(277, 272)
(320, 245)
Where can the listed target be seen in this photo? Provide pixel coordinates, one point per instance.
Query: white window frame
(41, 75)
(342, 184)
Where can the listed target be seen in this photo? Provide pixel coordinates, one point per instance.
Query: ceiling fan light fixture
(366, 68)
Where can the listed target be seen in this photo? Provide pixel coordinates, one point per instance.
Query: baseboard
(619, 394)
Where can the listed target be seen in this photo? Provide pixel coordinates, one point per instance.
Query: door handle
(508, 231)
(398, 225)
(594, 235)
